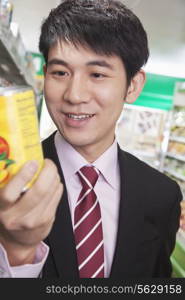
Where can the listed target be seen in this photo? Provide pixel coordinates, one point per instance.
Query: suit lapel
(61, 241)
(127, 259)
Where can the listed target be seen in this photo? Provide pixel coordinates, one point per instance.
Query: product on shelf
(178, 124)
(141, 131)
(175, 166)
(6, 11)
(178, 131)
(19, 135)
(15, 62)
(176, 148)
(174, 163)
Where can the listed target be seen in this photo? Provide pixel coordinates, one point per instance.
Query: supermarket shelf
(13, 66)
(144, 153)
(178, 255)
(176, 156)
(178, 139)
(175, 174)
(181, 238)
(178, 271)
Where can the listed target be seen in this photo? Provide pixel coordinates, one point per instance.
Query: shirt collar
(71, 161)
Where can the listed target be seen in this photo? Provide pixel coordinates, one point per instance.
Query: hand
(26, 219)
(182, 218)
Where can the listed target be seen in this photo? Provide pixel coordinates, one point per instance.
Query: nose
(77, 90)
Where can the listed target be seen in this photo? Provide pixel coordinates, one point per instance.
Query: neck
(92, 152)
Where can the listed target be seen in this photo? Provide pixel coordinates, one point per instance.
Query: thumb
(13, 189)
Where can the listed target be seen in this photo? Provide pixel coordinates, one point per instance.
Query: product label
(19, 134)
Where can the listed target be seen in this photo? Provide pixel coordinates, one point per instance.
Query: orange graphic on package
(5, 161)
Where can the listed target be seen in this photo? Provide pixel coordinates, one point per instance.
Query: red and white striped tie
(88, 227)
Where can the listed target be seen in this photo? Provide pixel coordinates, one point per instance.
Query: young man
(112, 215)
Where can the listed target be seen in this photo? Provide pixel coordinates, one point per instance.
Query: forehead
(78, 54)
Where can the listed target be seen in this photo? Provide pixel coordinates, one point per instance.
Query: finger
(42, 186)
(38, 216)
(33, 198)
(45, 178)
(49, 211)
(38, 195)
(13, 189)
(52, 205)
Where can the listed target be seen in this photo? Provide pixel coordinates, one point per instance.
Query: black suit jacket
(148, 221)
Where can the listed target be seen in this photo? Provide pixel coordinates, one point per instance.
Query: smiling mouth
(79, 117)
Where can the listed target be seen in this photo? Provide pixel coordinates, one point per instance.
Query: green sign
(158, 92)
(38, 60)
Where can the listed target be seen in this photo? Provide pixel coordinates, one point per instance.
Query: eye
(60, 73)
(98, 75)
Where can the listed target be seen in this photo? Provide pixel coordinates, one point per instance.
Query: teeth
(79, 117)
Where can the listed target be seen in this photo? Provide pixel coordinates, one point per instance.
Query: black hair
(105, 26)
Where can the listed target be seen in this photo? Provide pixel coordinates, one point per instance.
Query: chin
(77, 140)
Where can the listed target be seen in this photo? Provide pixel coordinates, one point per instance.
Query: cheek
(47, 91)
(113, 89)
(111, 99)
(52, 103)
(52, 88)
(52, 96)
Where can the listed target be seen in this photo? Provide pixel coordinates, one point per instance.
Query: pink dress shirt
(107, 190)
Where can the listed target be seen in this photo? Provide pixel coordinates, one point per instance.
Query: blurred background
(164, 22)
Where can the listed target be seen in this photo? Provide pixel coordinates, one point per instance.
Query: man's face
(84, 93)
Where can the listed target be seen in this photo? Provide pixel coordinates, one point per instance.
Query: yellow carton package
(19, 132)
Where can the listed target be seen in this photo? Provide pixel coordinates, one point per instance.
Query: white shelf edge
(144, 153)
(175, 174)
(178, 139)
(178, 157)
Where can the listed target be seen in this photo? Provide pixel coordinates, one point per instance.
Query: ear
(135, 87)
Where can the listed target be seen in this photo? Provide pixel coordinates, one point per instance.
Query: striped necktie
(88, 227)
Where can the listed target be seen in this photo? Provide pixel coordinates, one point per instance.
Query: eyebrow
(100, 63)
(56, 61)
